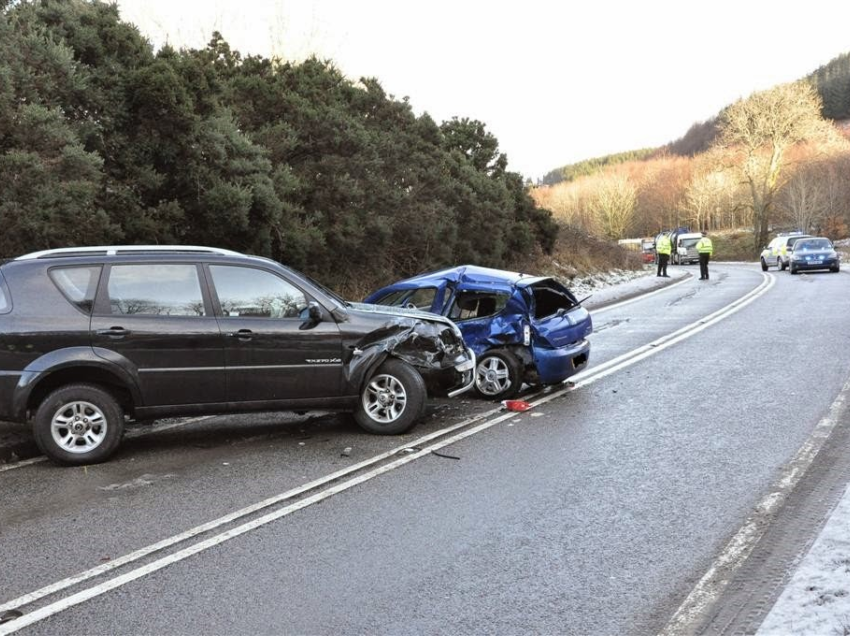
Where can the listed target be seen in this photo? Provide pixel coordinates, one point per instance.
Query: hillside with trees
(103, 140)
(773, 161)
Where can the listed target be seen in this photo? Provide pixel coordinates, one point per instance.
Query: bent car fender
(417, 342)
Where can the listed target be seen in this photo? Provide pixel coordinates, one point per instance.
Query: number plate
(814, 262)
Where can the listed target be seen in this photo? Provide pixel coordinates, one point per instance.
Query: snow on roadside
(816, 601)
(582, 286)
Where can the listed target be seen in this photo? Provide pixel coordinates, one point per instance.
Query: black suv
(91, 336)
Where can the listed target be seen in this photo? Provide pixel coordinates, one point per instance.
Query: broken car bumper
(556, 365)
(467, 371)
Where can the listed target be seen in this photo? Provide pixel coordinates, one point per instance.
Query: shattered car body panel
(537, 318)
(431, 344)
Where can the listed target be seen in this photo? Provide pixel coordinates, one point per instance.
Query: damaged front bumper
(467, 370)
(432, 344)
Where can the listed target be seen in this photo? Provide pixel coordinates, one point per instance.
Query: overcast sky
(555, 82)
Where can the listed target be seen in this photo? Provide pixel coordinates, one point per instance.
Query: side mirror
(311, 316)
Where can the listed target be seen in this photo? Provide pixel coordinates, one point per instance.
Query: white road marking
(419, 451)
(714, 581)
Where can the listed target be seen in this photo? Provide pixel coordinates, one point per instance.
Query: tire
(793, 270)
(782, 266)
(835, 269)
(96, 413)
(498, 375)
(763, 265)
(392, 400)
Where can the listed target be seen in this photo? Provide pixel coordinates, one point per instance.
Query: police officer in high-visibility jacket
(705, 250)
(663, 248)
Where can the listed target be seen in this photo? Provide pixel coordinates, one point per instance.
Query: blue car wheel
(498, 375)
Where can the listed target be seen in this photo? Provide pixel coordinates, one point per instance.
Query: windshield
(815, 244)
(688, 242)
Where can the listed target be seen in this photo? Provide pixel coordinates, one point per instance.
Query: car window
(792, 240)
(256, 293)
(422, 298)
(155, 290)
(77, 284)
(818, 244)
(393, 299)
(471, 305)
(5, 301)
(548, 301)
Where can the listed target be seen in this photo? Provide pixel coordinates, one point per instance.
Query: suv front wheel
(392, 400)
(78, 424)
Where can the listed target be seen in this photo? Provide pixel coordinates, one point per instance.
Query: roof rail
(113, 250)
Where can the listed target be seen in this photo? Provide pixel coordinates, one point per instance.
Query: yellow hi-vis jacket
(664, 246)
(704, 246)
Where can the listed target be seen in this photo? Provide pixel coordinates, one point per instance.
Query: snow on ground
(816, 601)
(582, 286)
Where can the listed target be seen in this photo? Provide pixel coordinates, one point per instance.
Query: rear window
(548, 301)
(793, 240)
(77, 284)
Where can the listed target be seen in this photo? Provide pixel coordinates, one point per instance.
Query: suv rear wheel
(763, 265)
(392, 400)
(78, 424)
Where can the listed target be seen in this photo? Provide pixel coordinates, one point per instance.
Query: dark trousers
(703, 266)
(662, 264)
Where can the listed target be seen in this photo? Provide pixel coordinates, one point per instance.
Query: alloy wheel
(78, 427)
(384, 399)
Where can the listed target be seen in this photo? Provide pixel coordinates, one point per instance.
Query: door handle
(113, 332)
(242, 334)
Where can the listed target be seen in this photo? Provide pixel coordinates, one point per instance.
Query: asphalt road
(594, 513)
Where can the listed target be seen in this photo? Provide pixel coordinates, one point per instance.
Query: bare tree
(759, 131)
(713, 197)
(804, 196)
(614, 205)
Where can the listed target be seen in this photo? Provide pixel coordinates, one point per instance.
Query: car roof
(476, 276)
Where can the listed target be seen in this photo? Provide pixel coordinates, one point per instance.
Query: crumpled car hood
(388, 310)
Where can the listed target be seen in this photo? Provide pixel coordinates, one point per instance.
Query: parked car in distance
(89, 336)
(777, 252)
(522, 328)
(647, 248)
(814, 253)
(685, 248)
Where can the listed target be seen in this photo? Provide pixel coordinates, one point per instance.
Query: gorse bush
(103, 140)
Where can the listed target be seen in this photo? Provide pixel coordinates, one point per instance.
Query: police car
(778, 251)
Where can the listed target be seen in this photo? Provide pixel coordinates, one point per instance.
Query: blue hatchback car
(522, 328)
